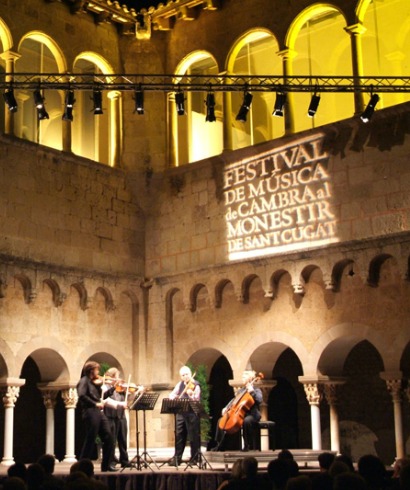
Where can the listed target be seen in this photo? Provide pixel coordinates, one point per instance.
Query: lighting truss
(201, 83)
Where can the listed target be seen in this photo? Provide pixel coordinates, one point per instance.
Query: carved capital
(49, 399)
(299, 289)
(70, 397)
(10, 395)
(313, 393)
(394, 388)
(330, 392)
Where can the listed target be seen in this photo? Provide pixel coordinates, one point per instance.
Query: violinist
(250, 429)
(91, 402)
(187, 424)
(115, 392)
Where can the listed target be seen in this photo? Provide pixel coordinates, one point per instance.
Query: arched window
(39, 55)
(91, 132)
(385, 43)
(255, 54)
(320, 47)
(197, 138)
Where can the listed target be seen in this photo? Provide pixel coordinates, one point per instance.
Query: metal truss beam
(203, 83)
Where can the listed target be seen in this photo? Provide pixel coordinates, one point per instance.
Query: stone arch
(103, 352)
(193, 295)
(374, 269)
(206, 356)
(7, 360)
(51, 356)
(246, 37)
(57, 295)
(97, 60)
(303, 17)
(338, 270)
(219, 289)
(82, 294)
(266, 348)
(42, 37)
(275, 279)
(331, 349)
(6, 38)
(106, 293)
(29, 293)
(361, 8)
(191, 58)
(245, 287)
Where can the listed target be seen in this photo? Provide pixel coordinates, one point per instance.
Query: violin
(122, 387)
(190, 385)
(235, 412)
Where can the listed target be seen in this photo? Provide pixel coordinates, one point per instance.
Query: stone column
(115, 128)
(266, 387)
(287, 57)
(9, 395)
(49, 399)
(10, 58)
(313, 396)
(356, 31)
(70, 398)
(331, 398)
(394, 386)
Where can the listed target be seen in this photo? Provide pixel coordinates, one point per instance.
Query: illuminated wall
(280, 201)
(325, 187)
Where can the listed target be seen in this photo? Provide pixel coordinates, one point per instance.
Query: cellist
(250, 430)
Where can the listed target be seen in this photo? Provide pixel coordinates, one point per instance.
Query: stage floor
(155, 461)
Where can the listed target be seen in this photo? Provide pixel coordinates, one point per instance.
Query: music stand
(144, 402)
(175, 406)
(199, 458)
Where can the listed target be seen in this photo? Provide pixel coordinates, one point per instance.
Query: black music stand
(175, 406)
(199, 458)
(144, 402)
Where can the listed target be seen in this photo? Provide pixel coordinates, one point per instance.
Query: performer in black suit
(89, 390)
(187, 424)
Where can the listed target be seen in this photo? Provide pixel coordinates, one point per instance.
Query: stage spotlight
(39, 103)
(210, 107)
(279, 104)
(97, 101)
(139, 101)
(244, 109)
(68, 105)
(180, 103)
(368, 112)
(10, 100)
(314, 104)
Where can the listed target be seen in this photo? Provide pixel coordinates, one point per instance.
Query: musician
(187, 424)
(91, 402)
(250, 428)
(117, 420)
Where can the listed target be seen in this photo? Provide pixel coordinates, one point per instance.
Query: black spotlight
(10, 100)
(139, 101)
(244, 109)
(68, 105)
(39, 102)
(279, 104)
(210, 107)
(97, 101)
(314, 104)
(180, 103)
(368, 112)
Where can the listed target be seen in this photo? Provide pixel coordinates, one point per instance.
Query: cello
(236, 410)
